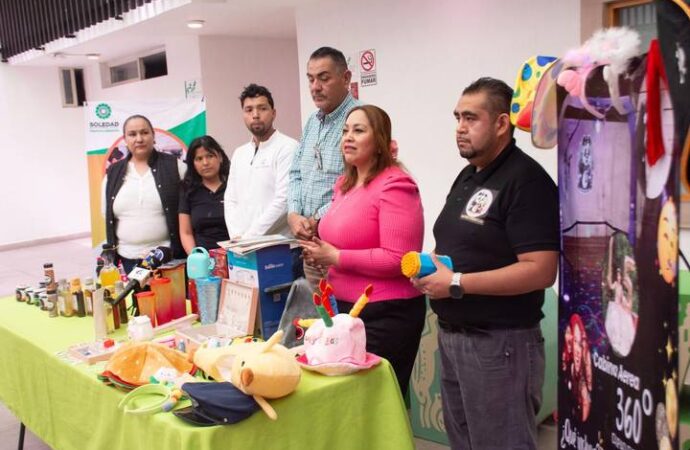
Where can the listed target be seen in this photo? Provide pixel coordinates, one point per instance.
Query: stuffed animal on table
(264, 370)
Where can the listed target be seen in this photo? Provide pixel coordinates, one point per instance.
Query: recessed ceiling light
(93, 56)
(195, 24)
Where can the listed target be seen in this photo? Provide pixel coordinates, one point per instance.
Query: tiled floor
(25, 266)
(76, 258)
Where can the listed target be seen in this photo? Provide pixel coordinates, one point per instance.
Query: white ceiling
(246, 18)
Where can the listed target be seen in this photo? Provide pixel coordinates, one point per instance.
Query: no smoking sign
(367, 64)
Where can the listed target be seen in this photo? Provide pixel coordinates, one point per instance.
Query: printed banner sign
(175, 122)
(618, 311)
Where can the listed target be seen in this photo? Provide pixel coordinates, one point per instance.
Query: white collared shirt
(256, 196)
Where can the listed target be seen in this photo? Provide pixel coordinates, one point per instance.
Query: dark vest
(167, 179)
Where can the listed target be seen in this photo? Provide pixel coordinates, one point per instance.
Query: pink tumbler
(179, 300)
(163, 290)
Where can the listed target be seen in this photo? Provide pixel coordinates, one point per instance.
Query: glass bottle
(77, 297)
(109, 313)
(109, 273)
(52, 306)
(64, 299)
(49, 273)
(89, 287)
(122, 306)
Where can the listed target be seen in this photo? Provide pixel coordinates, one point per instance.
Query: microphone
(140, 275)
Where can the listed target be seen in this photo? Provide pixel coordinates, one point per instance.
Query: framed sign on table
(237, 308)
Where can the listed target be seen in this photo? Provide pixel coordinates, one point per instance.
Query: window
(124, 72)
(143, 67)
(72, 87)
(640, 15)
(154, 66)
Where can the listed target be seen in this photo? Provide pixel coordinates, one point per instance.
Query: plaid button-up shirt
(318, 161)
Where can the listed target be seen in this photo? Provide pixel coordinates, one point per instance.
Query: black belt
(479, 329)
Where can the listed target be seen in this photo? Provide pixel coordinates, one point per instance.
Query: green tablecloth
(67, 407)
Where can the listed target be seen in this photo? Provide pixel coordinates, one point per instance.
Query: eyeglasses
(317, 146)
(317, 156)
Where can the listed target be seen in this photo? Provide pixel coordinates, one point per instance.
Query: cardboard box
(265, 269)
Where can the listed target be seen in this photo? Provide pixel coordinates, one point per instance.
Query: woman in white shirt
(142, 195)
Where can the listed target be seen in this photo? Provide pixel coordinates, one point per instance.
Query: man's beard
(259, 130)
(468, 153)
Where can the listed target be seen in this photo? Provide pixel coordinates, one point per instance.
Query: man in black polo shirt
(500, 226)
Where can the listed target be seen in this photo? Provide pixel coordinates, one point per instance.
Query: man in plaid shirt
(318, 161)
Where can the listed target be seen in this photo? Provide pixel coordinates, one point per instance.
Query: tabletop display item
(140, 329)
(208, 296)
(94, 352)
(150, 399)
(336, 344)
(264, 370)
(134, 363)
(175, 271)
(216, 404)
(199, 263)
(220, 269)
(236, 318)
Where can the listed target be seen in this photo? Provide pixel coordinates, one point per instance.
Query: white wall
(427, 53)
(183, 60)
(43, 177)
(228, 64)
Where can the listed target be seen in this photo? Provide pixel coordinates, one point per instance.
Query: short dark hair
(329, 52)
(253, 91)
(192, 179)
(498, 94)
(137, 116)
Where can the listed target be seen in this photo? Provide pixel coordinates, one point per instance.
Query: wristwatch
(456, 289)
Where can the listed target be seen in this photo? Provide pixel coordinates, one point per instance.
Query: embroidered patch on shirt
(478, 206)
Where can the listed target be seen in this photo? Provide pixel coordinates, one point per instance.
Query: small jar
(19, 292)
(140, 329)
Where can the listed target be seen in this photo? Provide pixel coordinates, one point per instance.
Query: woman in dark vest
(142, 196)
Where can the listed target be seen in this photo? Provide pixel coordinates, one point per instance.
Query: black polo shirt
(207, 214)
(491, 216)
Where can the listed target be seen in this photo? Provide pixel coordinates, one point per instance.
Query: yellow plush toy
(262, 370)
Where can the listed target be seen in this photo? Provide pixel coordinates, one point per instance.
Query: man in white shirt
(256, 195)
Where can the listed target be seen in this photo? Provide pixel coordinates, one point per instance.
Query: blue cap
(216, 404)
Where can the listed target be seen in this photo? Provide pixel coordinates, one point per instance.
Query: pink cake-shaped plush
(344, 342)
